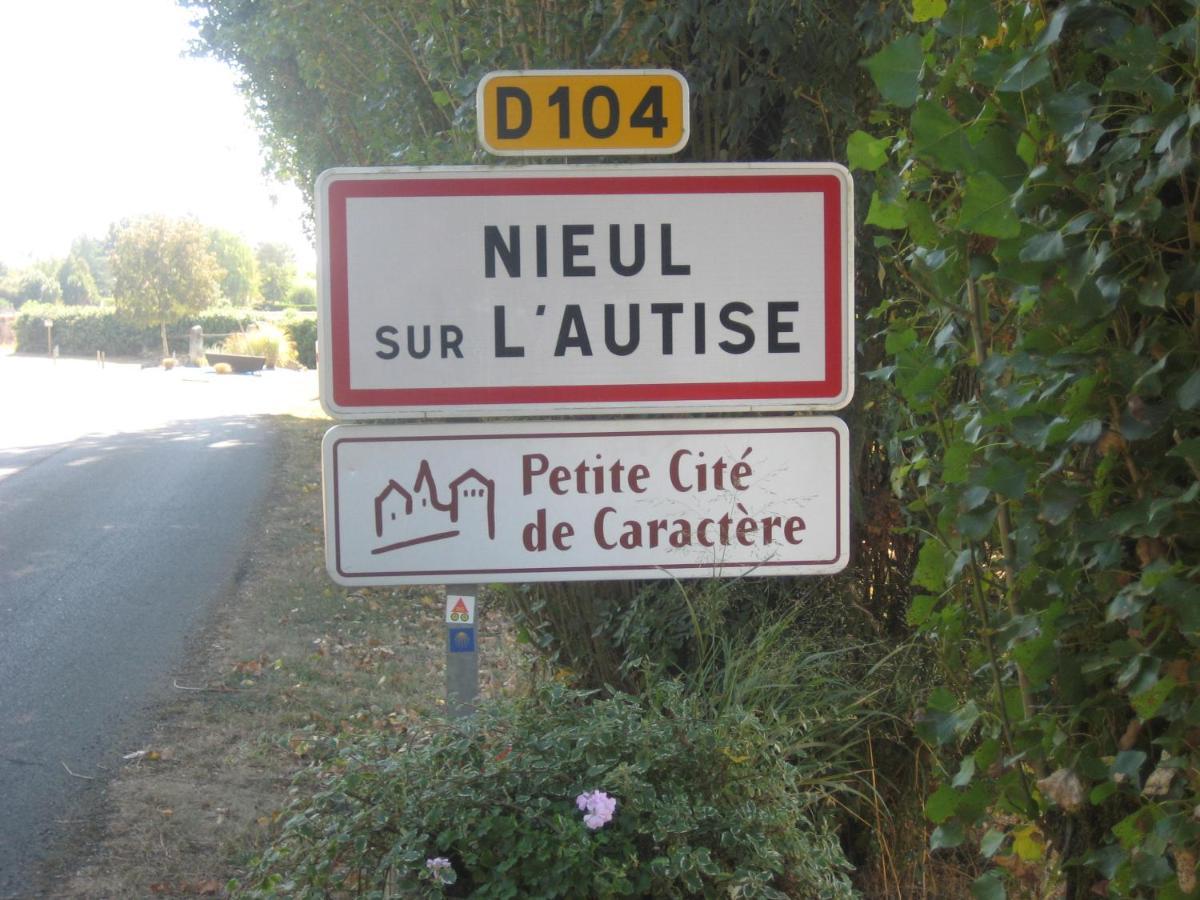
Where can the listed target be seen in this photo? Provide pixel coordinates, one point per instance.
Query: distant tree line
(225, 269)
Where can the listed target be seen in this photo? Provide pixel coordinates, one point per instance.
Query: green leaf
(1189, 394)
(896, 70)
(955, 462)
(947, 836)
(1043, 248)
(1087, 433)
(1148, 703)
(1101, 792)
(932, 566)
(1025, 73)
(1080, 147)
(976, 524)
(941, 804)
(988, 886)
(1037, 658)
(900, 339)
(920, 222)
(1007, 477)
(886, 213)
(992, 841)
(938, 136)
(1189, 450)
(924, 10)
(1059, 501)
(969, 18)
(966, 771)
(1107, 860)
(1129, 764)
(1068, 112)
(1028, 843)
(866, 152)
(987, 208)
(920, 609)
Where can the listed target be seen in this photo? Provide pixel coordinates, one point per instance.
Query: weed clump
(565, 793)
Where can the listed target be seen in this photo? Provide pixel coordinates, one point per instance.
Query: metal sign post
(462, 650)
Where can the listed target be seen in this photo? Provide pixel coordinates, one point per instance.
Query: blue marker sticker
(462, 638)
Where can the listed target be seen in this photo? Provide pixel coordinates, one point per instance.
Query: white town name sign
(555, 501)
(551, 290)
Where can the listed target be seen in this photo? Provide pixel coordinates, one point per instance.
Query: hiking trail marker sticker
(565, 501)
(460, 610)
(585, 290)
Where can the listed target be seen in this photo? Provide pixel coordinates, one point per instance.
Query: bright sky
(105, 117)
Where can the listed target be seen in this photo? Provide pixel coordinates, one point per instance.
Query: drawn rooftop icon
(405, 517)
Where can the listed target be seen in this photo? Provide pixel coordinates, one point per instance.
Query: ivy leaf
(992, 841)
(1148, 703)
(1084, 143)
(932, 566)
(1028, 843)
(946, 836)
(1087, 433)
(896, 70)
(966, 771)
(1107, 860)
(1189, 393)
(1043, 248)
(924, 10)
(987, 208)
(988, 886)
(865, 152)
(1059, 501)
(1189, 449)
(1128, 765)
(920, 609)
(887, 213)
(942, 804)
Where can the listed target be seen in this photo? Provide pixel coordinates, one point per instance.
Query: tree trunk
(162, 330)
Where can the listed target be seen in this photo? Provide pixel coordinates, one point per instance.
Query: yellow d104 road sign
(596, 112)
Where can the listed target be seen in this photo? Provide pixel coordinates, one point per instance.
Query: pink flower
(598, 806)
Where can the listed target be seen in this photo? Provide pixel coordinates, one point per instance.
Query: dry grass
(289, 664)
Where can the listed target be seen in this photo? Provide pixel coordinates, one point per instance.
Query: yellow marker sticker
(599, 112)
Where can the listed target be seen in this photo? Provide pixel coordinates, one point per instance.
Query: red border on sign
(346, 396)
(744, 568)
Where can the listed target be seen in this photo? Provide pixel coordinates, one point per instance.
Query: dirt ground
(288, 664)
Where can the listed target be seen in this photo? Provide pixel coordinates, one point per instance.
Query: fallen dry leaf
(1063, 788)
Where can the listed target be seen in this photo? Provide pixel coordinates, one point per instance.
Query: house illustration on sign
(417, 515)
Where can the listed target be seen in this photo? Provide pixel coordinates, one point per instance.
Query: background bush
(301, 329)
(262, 339)
(704, 806)
(84, 330)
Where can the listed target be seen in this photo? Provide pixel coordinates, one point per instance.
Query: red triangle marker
(459, 607)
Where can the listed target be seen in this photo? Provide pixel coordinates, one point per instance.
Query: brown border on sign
(349, 398)
(746, 567)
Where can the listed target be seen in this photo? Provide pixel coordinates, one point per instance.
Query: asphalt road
(125, 499)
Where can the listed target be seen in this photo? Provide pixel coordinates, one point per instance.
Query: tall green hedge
(1036, 195)
(84, 330)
